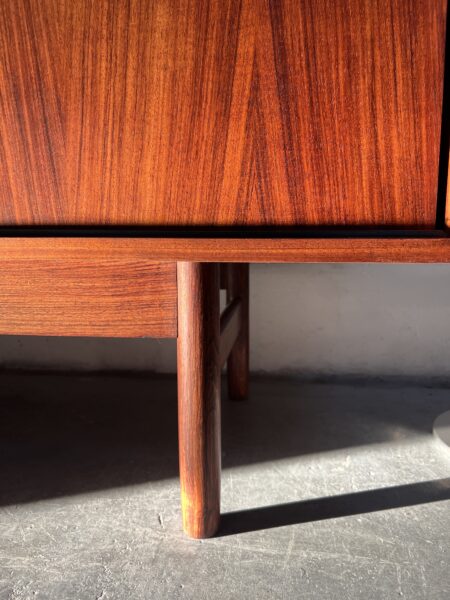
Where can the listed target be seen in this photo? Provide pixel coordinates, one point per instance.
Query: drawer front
(83, 297)
(220, 112)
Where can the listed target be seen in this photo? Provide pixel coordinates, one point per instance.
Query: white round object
(442, 427)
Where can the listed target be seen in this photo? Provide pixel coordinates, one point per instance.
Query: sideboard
(151, 149)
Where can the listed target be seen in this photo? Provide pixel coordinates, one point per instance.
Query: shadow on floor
(66, 434)
(345, 505)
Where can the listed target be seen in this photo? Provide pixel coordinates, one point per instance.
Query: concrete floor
(329, 492)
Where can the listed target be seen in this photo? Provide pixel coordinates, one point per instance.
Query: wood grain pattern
(87, 297)
(199, 397)
(220, 112)
(238, 360)
(304, 250)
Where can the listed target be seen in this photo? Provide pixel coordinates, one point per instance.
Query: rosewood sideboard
(151, 149)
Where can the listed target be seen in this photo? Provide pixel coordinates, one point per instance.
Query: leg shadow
(345, 505)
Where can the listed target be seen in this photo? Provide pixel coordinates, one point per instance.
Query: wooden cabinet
(144, 142)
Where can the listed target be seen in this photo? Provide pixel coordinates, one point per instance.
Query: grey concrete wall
(311, 320)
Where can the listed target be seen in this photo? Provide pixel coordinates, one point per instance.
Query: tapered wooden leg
(199, 396)
(237, 285)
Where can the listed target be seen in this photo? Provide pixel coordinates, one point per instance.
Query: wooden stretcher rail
(57, 294)
(230, 325)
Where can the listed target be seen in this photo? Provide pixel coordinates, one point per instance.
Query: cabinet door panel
(220, 112)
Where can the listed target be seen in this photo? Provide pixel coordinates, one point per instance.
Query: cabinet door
(220, 112)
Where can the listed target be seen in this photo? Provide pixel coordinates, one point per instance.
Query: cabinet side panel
(447, 203)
